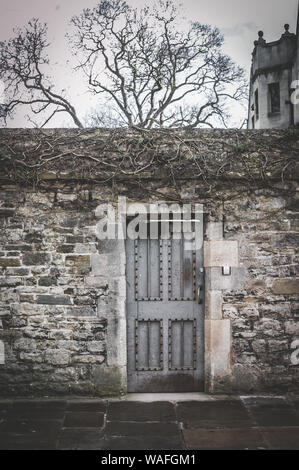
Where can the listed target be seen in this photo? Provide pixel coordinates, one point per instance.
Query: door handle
(198, 295)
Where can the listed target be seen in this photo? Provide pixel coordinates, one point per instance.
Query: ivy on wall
(34, 156)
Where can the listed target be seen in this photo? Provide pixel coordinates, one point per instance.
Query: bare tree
(152, 73)
(144, 67)
(23, 65)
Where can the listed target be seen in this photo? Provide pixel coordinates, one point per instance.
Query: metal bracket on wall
(226, 270)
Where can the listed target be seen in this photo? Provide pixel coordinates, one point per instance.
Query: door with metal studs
(165, 315)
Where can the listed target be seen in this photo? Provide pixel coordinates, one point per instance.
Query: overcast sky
(239, 21)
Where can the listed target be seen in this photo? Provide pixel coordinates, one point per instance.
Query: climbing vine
(213, 157)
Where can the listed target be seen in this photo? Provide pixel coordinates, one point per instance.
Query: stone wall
(55, 275)
(62, 307)
(263, 302)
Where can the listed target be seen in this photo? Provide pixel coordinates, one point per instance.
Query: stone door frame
(218, 253)
(222, 271)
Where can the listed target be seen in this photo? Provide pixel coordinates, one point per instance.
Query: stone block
(60, 334)
(17, 272)
(292, 327)
(34, 237)
(215, 280)
(26, 309)
(69, 344)
(214, 231)
(107, 264)
(218, 346)
(74, 239)
(31, 259)
(7, 212)
(66, 197)
(89, 359)
(109, 380)
(269, 327)
(230, 311)
(96, 281)
(25, 344)
(53, 300)
(29, 356)
(213, 304)
(26, 297)
(84, 311)
(95, 347)
(78, 263)
(70, 222)
(32, 332)
(259, 346)
(278, 345)
(221, 253)
(252, 312)
(285, 286)
(47, 281)
(5, 262)
(77, 260)
(65, 248)
(57, 356)
(85, 248)
(9, 281)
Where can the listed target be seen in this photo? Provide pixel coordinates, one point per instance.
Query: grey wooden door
(165, 316)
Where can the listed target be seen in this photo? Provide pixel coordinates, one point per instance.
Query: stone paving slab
(27, 443)
(31, 426)
(137, 411)
(29, 434)
(221, 439)
(139, 443)
(281, 438)
(46, 410)
(80, 438)
(87, 419)
(42, 404)
(87, 406)
(35, 414)
(124, 428)
(234, 423)
(219, 414)
(4, 411)
(274, 411)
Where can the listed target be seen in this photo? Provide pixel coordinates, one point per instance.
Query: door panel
(165, 317)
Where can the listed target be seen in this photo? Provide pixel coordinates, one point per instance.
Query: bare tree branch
(23, 60)
(143, 63)
(145, 66)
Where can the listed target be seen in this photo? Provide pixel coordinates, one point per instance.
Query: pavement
(171, 423)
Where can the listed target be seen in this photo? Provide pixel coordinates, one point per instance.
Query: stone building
(85, 315)
(274, 72)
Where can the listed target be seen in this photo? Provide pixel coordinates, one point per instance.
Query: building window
(256, 104)
(274, 98)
